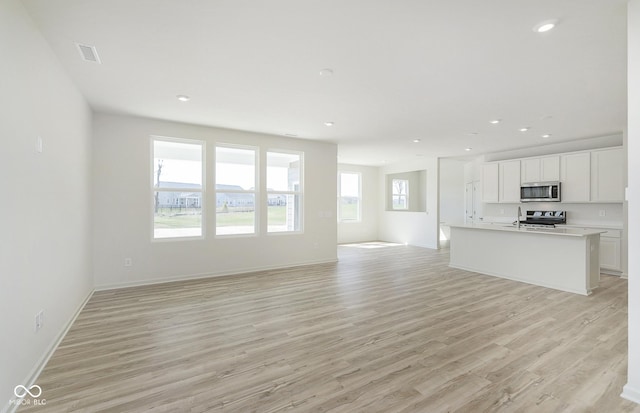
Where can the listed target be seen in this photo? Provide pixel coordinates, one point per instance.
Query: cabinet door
(610, 253)
(575, 174)
(607, 175)
(550, 169)
(509, 189)
(530, 170)
(490, 182)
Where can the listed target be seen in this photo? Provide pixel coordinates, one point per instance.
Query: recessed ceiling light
(468, 149)
(526, 128)
(183, 98)
(416, 141)
(328, 124)
(326, 72)
(546, 135)
(544, 26)
(495, 121)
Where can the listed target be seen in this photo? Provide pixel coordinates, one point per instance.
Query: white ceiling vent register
(88, 53)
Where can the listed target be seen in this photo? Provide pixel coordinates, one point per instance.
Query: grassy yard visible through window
(235, 216)
(240, 216)
(192, 217)
(349, 211)
(178, 218)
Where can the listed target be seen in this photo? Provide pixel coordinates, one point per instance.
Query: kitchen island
(565, 259)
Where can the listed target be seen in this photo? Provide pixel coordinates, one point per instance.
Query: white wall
(413, 228)
(367, 228)
(122, 205)
(632, 388)
(452, 196)
(45, 212)
(452, 191)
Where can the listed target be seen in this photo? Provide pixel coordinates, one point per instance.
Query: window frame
(340, 196)
(394, 194)
(255, 191)
(299, 193)
(201, 190)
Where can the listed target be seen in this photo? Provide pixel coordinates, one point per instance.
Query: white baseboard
(42, 362)
(152, 281)
(630, 394)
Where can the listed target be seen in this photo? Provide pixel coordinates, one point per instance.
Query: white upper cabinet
(575, 177)
(607, 175)
(490, 182)
(509, 181)
(540, 169)
(550, 168)
(530, 170)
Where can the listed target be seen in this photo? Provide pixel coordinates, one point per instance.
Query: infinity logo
(36, 393)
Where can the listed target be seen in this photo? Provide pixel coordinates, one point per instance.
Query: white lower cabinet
(610, 249)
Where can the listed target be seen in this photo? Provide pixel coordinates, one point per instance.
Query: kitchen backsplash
(604, 215)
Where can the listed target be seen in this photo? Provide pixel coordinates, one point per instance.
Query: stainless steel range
(544, 219)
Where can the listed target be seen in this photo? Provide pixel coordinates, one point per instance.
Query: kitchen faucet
(519, 213)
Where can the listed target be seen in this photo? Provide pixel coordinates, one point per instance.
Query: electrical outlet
(128, 262)
(39, 320)
(602, 213)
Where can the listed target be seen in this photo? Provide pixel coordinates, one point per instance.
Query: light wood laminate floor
(389, 329)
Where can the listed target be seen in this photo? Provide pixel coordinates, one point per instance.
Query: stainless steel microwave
(540, 192)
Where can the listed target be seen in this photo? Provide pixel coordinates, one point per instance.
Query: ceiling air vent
(88, 53)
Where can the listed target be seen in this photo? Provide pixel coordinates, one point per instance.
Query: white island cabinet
(565, 259)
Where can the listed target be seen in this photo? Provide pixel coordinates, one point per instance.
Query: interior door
(472, 202)
(477, 202)
(469, 202)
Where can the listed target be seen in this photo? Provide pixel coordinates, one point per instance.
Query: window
(400, 194)
(284, 191)
(235, 190)
(349, 197)
(177, 188)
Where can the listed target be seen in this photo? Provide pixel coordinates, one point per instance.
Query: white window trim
(406, 196)
(255, 191)
(350, 221)
(202, 190)
(300, 193)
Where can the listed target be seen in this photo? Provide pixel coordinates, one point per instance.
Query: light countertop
(565, 231)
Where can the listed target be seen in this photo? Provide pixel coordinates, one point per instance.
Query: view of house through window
(177, 188)
(178, 191)
(235, 190)
(349, 195)
(284, 191)
(400, 194)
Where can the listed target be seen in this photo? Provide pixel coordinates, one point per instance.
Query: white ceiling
(403, 69)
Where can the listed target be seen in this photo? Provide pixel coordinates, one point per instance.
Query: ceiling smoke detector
(88, 53)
